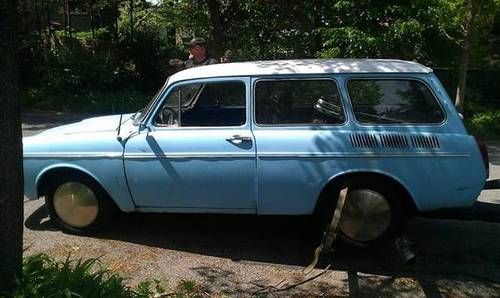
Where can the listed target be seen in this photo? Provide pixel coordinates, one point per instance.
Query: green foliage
(385, 29)
(70, 64)
(42, 276)
(91, 101)
(187, 288)
(485, 124)
(132, 53)
(451, 21)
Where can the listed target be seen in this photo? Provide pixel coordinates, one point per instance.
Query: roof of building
(309, 66)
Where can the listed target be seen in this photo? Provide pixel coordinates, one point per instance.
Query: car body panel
(193, 167)
(453, 174)
(282, 169)
(94, 151)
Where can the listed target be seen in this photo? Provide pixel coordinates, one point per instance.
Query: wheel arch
(407, 199)
(43, 178)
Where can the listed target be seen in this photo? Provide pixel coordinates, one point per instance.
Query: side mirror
(143, 126)
(461, 116)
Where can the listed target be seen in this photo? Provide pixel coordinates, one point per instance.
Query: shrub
(93, 102)
(485, 124)
(42, 276)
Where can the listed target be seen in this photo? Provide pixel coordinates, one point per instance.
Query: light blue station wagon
(267, 138)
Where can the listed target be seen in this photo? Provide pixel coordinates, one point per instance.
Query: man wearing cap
(198, 55)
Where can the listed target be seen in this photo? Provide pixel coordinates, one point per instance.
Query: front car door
(198, 152)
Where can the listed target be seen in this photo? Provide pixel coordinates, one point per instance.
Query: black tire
(105, 206)
(326, 206)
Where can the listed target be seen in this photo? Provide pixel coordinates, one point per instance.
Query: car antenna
(118, 137)
(119, 127)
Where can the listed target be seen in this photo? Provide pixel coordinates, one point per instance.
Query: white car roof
(308, 66)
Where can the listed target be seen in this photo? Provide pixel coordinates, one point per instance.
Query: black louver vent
(425, 142)
(364, 141)
(394, 141)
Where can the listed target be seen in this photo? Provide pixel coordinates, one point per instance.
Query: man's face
(198, 52)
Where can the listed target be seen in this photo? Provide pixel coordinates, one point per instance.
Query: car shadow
(464, 245)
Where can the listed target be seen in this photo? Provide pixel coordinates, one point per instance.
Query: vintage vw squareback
(268, 138)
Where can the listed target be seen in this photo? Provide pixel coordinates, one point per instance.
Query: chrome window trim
(159, 95)
(394, 78)
(240, 79)
(297, 78)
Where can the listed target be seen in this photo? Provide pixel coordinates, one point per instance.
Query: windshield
(139, 115)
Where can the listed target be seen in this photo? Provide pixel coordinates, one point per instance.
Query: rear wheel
(77, 204)
(371, 213)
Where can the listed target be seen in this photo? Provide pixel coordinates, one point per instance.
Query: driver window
(181, 96)
(201, 105)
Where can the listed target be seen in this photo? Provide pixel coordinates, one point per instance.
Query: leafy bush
(485, 124)
(127, 100)
(42, 276)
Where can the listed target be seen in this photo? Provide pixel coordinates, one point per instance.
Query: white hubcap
(366, 215)
(75, 204)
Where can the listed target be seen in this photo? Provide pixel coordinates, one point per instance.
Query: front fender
(107, 172)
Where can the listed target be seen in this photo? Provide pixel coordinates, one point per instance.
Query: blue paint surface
(278, 170)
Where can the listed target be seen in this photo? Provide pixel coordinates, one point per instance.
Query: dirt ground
(458, 254)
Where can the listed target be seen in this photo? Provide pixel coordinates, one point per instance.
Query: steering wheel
(168, 117)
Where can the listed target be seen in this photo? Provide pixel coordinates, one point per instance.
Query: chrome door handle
(238, 139)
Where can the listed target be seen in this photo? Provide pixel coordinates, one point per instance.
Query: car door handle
(237, 139)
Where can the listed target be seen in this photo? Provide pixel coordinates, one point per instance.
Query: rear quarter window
(393, 101)
(298, 101)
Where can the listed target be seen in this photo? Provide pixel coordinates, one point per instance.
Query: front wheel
(77, 204)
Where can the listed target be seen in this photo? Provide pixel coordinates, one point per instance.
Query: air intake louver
(425, 142)
(394, 141)
(364, 141)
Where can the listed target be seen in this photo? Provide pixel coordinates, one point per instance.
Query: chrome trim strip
(189, 155)
(238, 155)
(197, 210)
(356, 155)
(72, 155)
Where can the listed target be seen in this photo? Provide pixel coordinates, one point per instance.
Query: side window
(209, 104)
(298, 102)
(393, 102)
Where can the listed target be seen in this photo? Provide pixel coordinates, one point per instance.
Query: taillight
(484, 153)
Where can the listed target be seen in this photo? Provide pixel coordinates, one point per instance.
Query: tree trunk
(116, 14)
(92, 25)
(70, 33)
(469, 21)
(11, 177)
(38, 22)
(47, 11)
(131, 19)
(65, 13)
(218, 28)
(462, 75)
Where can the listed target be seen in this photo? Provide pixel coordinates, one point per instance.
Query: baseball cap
(197, 41)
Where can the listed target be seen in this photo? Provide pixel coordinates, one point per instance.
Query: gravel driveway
(457, 254)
